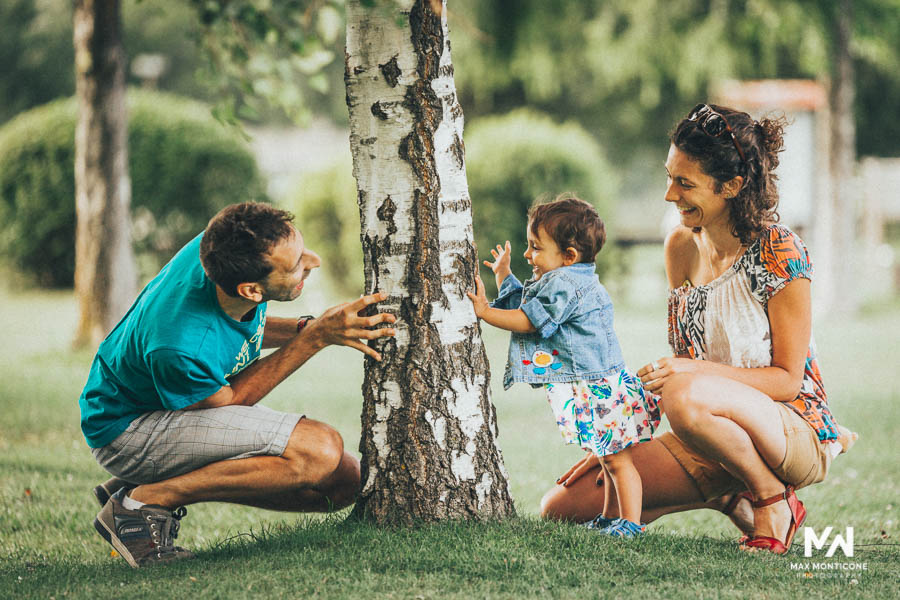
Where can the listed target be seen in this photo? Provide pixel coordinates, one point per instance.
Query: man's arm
(278, 332)
(340, 325)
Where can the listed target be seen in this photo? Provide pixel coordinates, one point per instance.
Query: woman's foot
(776, 518)
(737, 507)
(847, 438)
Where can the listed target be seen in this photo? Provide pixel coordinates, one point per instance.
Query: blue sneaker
(599, 522)
(624, 528)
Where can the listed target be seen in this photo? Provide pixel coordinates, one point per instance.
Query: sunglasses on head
(714, 124)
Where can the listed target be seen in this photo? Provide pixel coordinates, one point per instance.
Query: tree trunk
(429, 448)
(843, 162)
(105, 279)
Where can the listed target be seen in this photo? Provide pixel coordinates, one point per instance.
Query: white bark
(429, 441)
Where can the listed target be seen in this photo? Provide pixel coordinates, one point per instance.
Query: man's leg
(312, 474)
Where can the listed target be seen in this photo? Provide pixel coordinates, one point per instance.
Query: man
(170, 405)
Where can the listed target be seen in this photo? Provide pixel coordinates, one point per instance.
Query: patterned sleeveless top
(727, 320)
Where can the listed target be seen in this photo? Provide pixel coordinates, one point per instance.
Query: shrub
(184, 167)
(328, 215)
(513, 159)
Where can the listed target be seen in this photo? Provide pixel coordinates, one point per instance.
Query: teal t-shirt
(174, 347)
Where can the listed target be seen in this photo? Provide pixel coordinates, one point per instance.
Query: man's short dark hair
(570, 222)
(238, 240)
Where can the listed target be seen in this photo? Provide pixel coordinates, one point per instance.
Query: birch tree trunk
(105, 278)
(428, 446)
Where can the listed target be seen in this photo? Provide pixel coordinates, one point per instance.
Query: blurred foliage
(264, 53)
(328, 216)
(37, 56)
(184, 167)
(631, 68)
(514, 159)
(510, 161)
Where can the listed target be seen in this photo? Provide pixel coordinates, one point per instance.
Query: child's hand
(500, 266)
(479, 299)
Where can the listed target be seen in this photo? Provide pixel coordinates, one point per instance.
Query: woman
(742, 391)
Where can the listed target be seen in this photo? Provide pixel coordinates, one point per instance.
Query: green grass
(48, 547)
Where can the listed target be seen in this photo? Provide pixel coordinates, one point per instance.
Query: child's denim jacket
(573, 316)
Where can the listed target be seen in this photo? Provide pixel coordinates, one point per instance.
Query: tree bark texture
(429, 449)
(843, 162)
(105, 278)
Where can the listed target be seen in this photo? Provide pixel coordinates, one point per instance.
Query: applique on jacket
(543, 360)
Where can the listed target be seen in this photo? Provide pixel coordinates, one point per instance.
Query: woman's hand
(579, 469)
(655, 374)
(500, 265)
(479, 299)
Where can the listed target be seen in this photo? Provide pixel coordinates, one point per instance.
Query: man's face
(292, 262)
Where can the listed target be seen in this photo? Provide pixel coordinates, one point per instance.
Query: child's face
(543, 254)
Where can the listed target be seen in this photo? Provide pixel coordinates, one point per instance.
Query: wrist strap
(303, 322)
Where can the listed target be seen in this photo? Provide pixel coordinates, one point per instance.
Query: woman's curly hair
(756, 205)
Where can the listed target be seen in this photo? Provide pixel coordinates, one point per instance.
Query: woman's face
(693, 192)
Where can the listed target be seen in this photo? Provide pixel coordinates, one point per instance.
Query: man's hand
(342, 325)
(479, 299)
(500, 266)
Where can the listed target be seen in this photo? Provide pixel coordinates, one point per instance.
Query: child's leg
(628, 484)
(611, 508)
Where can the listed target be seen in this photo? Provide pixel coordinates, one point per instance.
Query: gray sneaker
(144, 537)
(109, 487)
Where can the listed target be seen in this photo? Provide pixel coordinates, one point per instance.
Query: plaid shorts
(163, 444)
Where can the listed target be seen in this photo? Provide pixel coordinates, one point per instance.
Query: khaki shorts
(806, 459)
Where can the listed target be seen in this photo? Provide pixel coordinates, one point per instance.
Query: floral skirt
(606, 415)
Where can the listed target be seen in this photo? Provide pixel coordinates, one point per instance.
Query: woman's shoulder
(680, 252)
(780, 247)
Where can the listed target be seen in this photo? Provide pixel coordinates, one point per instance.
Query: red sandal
(732, 504)
(798, 516)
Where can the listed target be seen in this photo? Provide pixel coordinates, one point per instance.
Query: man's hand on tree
(342, 325)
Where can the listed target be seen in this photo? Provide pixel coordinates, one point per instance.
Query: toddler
(561, 321)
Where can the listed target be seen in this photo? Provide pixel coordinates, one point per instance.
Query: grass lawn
(48, 548)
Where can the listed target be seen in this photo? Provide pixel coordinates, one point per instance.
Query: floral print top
(727, 320)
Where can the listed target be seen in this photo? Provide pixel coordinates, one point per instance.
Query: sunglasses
(714, 124)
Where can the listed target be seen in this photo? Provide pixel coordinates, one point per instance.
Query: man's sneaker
(143, 537)
(624, 528)
(109, 487)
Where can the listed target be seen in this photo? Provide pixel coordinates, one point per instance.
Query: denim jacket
(573, 316)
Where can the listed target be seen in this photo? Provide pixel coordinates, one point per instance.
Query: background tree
(429, 428)
(105, 275)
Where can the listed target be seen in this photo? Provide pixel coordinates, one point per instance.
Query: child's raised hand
(500, 265)
(479, 299)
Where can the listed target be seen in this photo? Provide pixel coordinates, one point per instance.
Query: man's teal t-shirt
(174, 347)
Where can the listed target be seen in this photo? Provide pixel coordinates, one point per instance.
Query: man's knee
(315, 450)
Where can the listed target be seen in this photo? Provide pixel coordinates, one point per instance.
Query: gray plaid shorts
(163, 444)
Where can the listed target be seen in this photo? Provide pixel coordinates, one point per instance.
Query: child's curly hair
(570, 222)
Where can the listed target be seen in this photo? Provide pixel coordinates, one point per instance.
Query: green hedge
(184, 167)
(515, 158)
(511, 160)
(328, 217)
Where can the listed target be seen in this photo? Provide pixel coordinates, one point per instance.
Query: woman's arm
(789, 319)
